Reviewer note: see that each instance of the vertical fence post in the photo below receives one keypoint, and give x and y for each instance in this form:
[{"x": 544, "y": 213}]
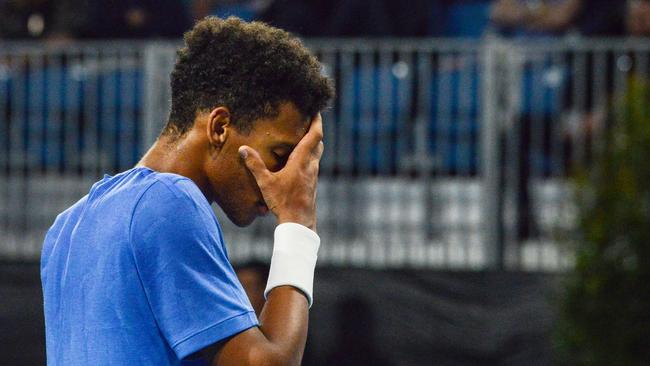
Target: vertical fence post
[
  {"x": 158, "y": 61},
  {"x": 490, "y": 169}
]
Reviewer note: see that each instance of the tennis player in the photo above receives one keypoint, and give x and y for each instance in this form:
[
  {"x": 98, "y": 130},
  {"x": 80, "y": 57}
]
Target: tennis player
[{"x": 137, "y": 273}]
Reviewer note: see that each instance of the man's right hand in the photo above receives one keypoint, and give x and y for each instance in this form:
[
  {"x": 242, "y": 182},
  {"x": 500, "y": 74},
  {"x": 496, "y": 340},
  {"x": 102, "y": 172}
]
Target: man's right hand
[{"x": 290, "y": 193}]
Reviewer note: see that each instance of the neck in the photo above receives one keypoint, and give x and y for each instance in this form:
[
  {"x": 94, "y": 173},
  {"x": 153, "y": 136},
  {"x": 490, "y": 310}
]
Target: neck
[{"x": 178, "y": 156}]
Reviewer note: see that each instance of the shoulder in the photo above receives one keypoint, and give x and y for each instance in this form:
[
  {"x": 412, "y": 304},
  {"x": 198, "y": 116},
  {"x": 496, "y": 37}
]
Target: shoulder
[
  {"x": 180, "y": 187},
  {"x": 167, "y": 193},
  {"x": 171, "y": 204},
  {"x": 171, "y": 224},
  {"x": 69, "y": 215}
]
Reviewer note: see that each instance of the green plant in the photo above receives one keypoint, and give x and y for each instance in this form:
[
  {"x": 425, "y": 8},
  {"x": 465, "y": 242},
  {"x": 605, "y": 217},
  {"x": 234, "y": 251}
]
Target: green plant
[{"x": 605, "y": 312}]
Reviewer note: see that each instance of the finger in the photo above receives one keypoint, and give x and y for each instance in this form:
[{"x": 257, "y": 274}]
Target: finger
[
  {"x": 316, "y": 126},
  {"x": 317, "y": 152},
  {"x": 254, "y": 163},
  {"x": 316, "y": 155},
  {"x": 311, "y": 138}
]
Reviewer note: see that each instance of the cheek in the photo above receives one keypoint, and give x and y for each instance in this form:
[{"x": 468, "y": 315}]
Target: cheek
[
  {"x": 242, "y": 189},
  {"x": 234, "y": 178},
  {"x": 248, "y": 184},
  {"x": 235, "y": 190}
]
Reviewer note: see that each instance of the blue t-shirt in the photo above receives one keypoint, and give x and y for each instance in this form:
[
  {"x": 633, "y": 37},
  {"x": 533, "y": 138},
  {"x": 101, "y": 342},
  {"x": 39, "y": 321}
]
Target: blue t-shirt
[{"x": 136, "y": 273}]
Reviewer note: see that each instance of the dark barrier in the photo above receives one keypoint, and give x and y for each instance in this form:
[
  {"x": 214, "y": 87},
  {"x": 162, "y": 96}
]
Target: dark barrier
[{"x": 366, "y": 317}]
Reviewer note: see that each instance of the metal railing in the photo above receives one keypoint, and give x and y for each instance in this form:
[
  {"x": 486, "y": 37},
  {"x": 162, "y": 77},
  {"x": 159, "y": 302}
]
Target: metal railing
[
  {"x": 440, "y": 153},
  {"x": 67, "y": 115},
  {"x": 557, "y": 100}
]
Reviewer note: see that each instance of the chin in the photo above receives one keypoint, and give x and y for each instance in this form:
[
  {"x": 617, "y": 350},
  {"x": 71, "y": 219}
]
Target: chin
[
  {"x": 238, "y": 214},
  {"x": 243, "y": 223},
  {"x": 241, "y": 220}
]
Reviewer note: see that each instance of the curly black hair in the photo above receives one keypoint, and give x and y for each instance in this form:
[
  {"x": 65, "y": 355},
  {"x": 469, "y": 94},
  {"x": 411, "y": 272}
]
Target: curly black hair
[{"x": 250, "y": 68}]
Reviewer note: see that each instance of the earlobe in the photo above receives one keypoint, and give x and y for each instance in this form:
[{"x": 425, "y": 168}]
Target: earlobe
[{"x": 218, "y": 126}]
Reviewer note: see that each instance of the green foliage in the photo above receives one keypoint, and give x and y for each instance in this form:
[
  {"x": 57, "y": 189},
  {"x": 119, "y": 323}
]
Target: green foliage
[{"x": 605, "y": 312}]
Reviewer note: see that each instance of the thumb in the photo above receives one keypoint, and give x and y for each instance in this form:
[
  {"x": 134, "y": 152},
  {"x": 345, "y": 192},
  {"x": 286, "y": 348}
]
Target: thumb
[{"x": 254, "y": 163}]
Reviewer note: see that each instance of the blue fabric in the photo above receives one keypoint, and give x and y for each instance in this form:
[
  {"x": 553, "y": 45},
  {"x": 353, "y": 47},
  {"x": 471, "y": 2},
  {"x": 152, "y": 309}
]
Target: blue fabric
[{"x": 136, "y": 273}]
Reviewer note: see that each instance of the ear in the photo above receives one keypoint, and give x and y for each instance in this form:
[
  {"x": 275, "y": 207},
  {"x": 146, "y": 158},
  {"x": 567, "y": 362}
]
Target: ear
[{"x": 218, "y": 126}]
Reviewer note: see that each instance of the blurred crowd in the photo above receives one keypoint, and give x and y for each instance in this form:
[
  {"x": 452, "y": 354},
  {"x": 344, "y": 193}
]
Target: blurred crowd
[
  {"x": 84, "y": 19},
  {"x": 582, "y": 17}
]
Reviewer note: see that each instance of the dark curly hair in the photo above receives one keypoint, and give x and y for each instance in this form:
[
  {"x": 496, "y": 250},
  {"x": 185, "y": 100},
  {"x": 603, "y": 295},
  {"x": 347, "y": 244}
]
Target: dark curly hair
[{"x": 250, "y": 68}]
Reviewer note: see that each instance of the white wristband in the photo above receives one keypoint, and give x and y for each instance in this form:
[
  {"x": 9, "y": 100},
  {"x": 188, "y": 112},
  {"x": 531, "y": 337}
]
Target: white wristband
[{"x": 295, "y": 250}]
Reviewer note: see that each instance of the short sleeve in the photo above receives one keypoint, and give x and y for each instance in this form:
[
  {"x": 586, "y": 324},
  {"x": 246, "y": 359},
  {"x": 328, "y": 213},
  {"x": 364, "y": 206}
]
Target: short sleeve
[{"x": 192, "y": 289}]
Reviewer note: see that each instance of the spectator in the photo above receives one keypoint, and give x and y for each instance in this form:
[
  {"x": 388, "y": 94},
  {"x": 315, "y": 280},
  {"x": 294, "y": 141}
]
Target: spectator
[
  {"x": 139, "y": 19},
  {"x": 638, "y": 17},
  {"x": 245, "y": 9},
  {"x": 338, "y": 18},
  {"x": 535, "y": 17},
  {"x": 547, "y": 18},
  {"x": 602, "y": 18},
  {"x": 554, "y": 17},
  {"x": 306, "y": 18},
  {"x": 42, "y": 19},
  {"x": 414, "y": 18},
  {"x": 355, "y": 18}
]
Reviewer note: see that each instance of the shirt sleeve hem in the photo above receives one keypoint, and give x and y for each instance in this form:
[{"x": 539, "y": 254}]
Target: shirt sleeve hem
[{"x": 214, "y": 334}]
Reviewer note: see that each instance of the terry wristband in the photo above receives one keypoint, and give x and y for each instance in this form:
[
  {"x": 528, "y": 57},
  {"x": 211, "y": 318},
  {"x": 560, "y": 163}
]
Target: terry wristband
[{"x": 295, "y": 250}]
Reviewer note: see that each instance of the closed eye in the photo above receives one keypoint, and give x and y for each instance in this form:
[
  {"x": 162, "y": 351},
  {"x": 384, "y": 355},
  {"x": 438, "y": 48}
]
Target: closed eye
[
  {"x": 281, "y": 152},
  {"x": 280, "y": 158}
]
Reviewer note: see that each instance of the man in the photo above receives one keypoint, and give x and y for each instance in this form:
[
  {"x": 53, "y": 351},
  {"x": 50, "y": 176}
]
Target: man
[
  {"x": 136, "y": 272},
  {"x": 555, "y": 17},
  {"x": 138, "y": 19},
  {"x": 638, "y": 18},
  {"x": 43, "y": 19},
  {"x": 536, "y": 18}
]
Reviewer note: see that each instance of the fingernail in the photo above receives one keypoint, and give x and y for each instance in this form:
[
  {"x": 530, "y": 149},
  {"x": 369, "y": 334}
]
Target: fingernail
[{"x": 243, "y": 153}]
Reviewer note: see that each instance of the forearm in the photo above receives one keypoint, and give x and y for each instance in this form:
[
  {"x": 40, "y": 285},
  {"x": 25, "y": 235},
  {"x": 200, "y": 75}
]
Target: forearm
[
  {"x": 284, "y": 321},
  {"x": 282, "y": 334},
  {"x": 279, "y": 340},
  {"x": 289, "y": 290}
]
